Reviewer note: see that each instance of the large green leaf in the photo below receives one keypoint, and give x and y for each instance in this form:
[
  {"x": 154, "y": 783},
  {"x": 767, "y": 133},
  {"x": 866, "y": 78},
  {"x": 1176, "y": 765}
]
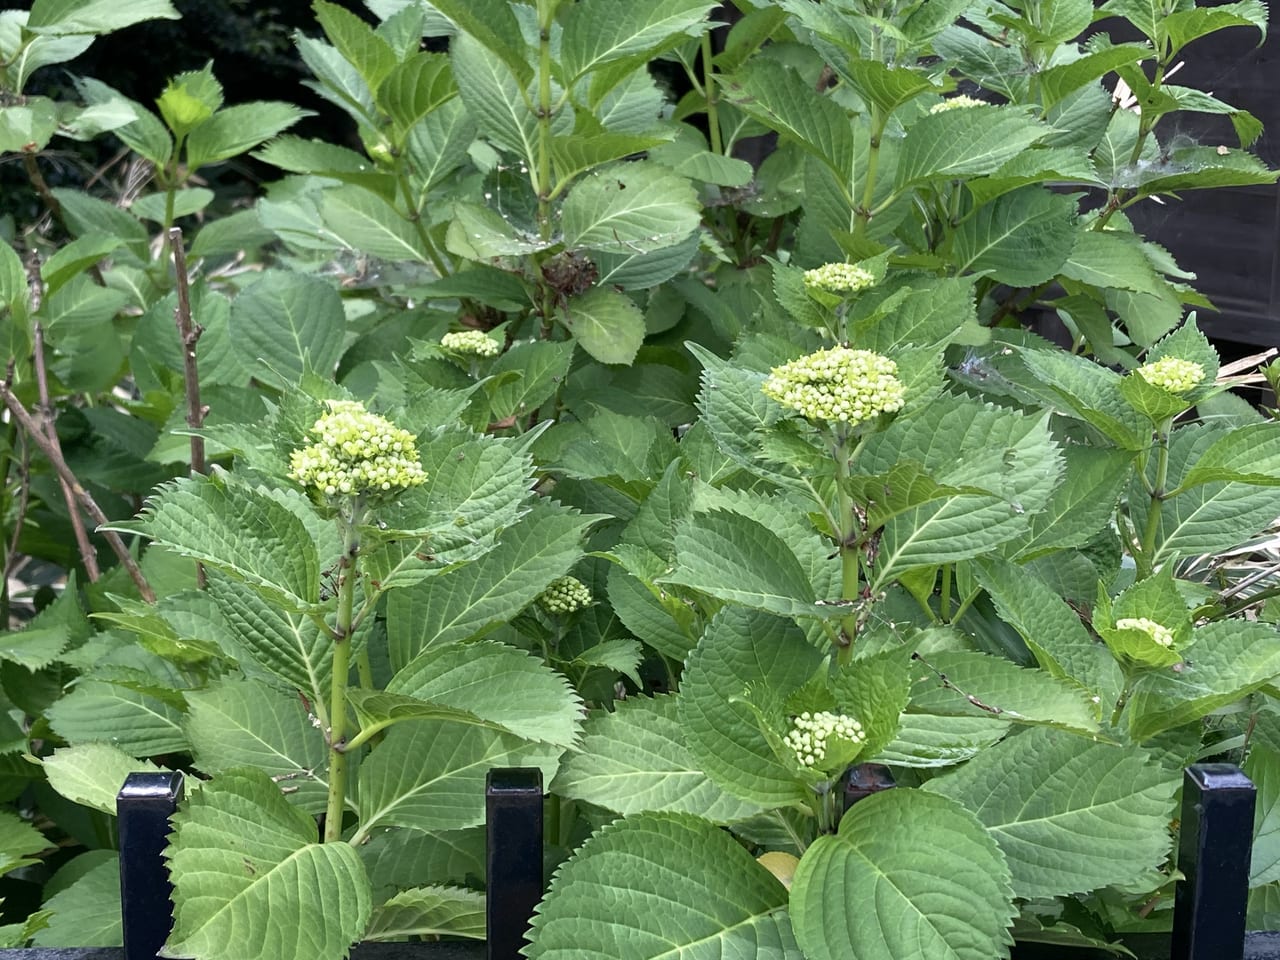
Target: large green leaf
[
  {"x": 86, "y": 911},
  {"x": 18, "y": 841},
  {"x": 137, "y": 723},
  {"x": 965, "y": 142},
  {"x": 909, "y": 876},
  {"x": 740, "y": 650},
  {"x": 264, "y": 638},
  {"x": 1057, "y": 81},
  {"x": 735, "y": 558},
  {"x": 929, "y": 740},
  {"x": 492, "y": 23},
  {"x": 635, "y": 759},
  {"x": 497, "y": 683},
  {"x": 1211, "y": 516},
  {"x": 414, "y": 89},
  {"x": 370, "y": 224},
  {"x": 286, "y": 322},
  {"x": 964, "y": 444},
  {"x": 466, "y": 601},
  {"x": 612, "y": 30},
  {"x": 630, "y": 207},
  {"x": 245, "y": 723},
  {"x": 236, "y": 130},
  {"x": 542, "y": 367},
  {"x": 679, "y": 886},
  {"x": 1112, "y": 260},
  {"x": 443, "y": 787},
  {"x": 1226, "y": 660},
  {"x": 1081, "y": 504},
  {"x": 781, "y": 98},
  {"x": 1263, "y": 768},
  {"x": 607, "y": 324},
  {"x": 95, "y": 16},
  {"x": 1022, "y": 238},
  {"x": 429, "y": 912},
  {"x": 438, "y": 145},
  {"x": 1247, "y": 454},
  {"x": 240, "y": 531},
  {"x": 251, "y": 882},
  {"x": 1069, "y": 814},
  {"x": 966, "y": 684},
  {"x": 364, "y": 49},
  {"x": 1053, "y": 631},
  {"x": 93, "y": 773},
  {"x": 495, "y": 99}
]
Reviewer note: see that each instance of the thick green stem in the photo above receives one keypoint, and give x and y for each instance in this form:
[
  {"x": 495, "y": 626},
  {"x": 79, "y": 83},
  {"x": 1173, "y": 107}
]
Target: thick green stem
[
  {"x": 850, "y": 544},
  {"x": 944, "y": 603},
  {"x": 829, "y": 807},
  {"x": 1158, "y": 496},
  {"x": 709, "y": 88},
  {"x": 347, "y": 572},
  {"x": 545, "y": 109},
  {"x": 415, "y": 217},
  {"x": 863, "y": 213}
]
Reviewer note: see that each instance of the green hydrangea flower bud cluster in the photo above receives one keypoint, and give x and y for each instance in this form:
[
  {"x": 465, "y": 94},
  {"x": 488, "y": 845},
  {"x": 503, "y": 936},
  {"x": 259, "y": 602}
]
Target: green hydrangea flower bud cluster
[
  {"x": 565, "y": 595},
  {"x": 809, "y": 733},
  {"x": 838, "y": 278},
  {"x": 839, "y": 384},
  {"x": 960, "y": 102},
  {"x": 356, "y": 452},
  {"x": 1172, "y": 373},
  {"x": 475, "y": 343},
  {"x": 1157, "y": 632}
]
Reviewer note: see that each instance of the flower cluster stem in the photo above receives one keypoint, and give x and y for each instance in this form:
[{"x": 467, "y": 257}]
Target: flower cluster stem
[
  {"x": 347, "y": 572},
  {"x": 709, "y": 88},
  {"x": 1158, "y": 496}
]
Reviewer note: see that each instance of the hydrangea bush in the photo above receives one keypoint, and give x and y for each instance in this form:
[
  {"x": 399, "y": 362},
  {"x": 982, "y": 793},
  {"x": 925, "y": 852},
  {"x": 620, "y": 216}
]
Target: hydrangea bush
[{"x": 532, "y": 426}]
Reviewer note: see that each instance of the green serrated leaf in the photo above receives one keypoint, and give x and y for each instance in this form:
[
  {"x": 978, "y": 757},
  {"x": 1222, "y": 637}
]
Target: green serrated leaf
[
  {"x": 466, "y": 602},
  {"x": 94, "y": 16},
  {"x": 137, "y": 723},
  {"x": 367, "y": 222},
  {"x": 1263, "y": 768},
  {"x": 497, "y": 683},
  {"x": 743, "y": 649},
  {"x": 948, "y": 683},
  {"x": 286, "y": 322},
  {"x": 1023, "y": 238},
  {"x": 1052, "y": 630},
  {"x": 238, "y": 530},
  {"x": 958, "y": 908},
  {"x": 968, "y": 142},
  {"x": 635, "y": 759},
  {"x": 1069, "y": 815},
  {"x": 93, "y": 773},
  {"x": 87, "y": 912},
  {"x": 607, "y": 324},
  {"x": 266, "y": 892},
  {"x": 245, "y": 723},
  {"x": 429, "y": 912},
  {"x": 443, "y": 789},
  {"x": 716, "y": 901},
  {"x": 633, "y": 207},
  {"x": 1226, "y": 660},
  {"x": 238, "y": 129}
]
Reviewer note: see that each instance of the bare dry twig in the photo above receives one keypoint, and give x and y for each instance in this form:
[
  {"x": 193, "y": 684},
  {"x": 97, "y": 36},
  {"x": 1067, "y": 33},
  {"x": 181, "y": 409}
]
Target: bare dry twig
[
  {"x": 189, "y": 335},
  {"x": 35, "y": 431},
  {"x": 88, "y": 555}
]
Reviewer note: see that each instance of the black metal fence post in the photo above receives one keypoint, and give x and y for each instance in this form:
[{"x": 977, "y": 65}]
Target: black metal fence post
[
  {"x": 514, "y": 880},
  {"x": 1213, "y": 855},
  {"x": 144, "y": 805}
]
